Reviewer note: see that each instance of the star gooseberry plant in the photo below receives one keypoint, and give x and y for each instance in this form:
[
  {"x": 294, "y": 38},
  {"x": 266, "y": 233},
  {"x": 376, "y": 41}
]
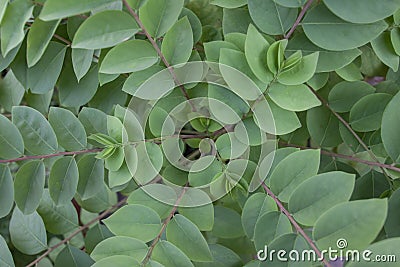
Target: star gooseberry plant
[{"x": 199, "y": 132}]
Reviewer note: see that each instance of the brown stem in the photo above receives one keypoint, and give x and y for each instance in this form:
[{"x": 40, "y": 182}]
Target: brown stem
[
  {"x": 294, "y": 223},
  {"x": 163, "y": 227},
  {"x": 72, "y": 153},
  {"x": 158, "y": 50},
  {"x": 299, "y": 18},
  {"x": 80, "y": 229}
]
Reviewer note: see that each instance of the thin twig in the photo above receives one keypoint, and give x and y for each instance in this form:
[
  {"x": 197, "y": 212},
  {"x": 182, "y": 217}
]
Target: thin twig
[
  {"x": 295, "y": 224},
  {"x": 299, "y": 18},
  {"x": 158, "y": 50},
  {"x": 80, "y": 229}
]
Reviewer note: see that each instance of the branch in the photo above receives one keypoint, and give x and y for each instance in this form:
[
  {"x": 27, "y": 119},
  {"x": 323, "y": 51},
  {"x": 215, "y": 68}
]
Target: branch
[
  {"x": 294, "y": 223},
  {"x": 72, "y": 153},
  {"x": 154, "y": 44},
  {"x": 80, "y": 229},
  {"x": 299, "y": 18}
]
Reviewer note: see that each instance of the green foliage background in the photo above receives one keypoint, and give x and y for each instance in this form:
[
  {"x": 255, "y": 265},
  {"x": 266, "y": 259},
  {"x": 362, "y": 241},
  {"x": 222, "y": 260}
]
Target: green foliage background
[{"x": 74, "y": 190}]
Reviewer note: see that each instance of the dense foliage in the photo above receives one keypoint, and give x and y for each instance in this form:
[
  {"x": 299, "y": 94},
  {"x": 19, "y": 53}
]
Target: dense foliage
[{"x": 197, "y": 132}]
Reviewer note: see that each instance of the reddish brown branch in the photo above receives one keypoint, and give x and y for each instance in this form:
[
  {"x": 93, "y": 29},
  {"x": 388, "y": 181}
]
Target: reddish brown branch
[{"x": 299, "y": 18}]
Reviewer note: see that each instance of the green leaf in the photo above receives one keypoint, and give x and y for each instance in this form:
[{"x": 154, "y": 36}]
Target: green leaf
[
  {"x": 256, "y": 48},
  {"x": 291, "y": 3},
  {"x": 135, "y": 221},
  {"x": 395, "y": 39},
  {"x": 320, "y": 25},
  {"x": 57, "y": 219},
  {"x": 150, "y": 160},
  {"x": 105, "y": 29},
  {"x": 72, "y": 93},
  {"x": 227, "y": 223},
  {"x": 327, "y": 60},
  {"x": 177, "y": 44},
  {"x": 43, "y": 76},
  {"x": 159, "y": 197},
  {"x": 318, "y": 194},
  {"x": 130, "y": 56},
  {"x": 197, "y": 206},
  {"x": 73, "y": 257},
  {"x": 386, "y": 247},
  {"x": 278, "y": 225},
  {"x": 392, "y": 220},
  {"x": 228, "y": 3},
  {"x": 63, "y": 180},
  {"x": 204, "y": 170},
  {"x": 12, "y": 26},
  {"x": 39, "y": 102},
  {"x": 91, "y": 176},
  {"x": 119, "y": 260},
  {"x": 383, "y": 48},
  {"x": 292, "y": 171},
  {"x": 95, "y": 235},
  {"x": 94, "y": 120},
  {"x": 357, "y": 11},
  {"x": 256, "y": 206},
  {"x": 11, "y": 91},
  {"x": 275, "y": 56},
  {"x": 119, "y": 177},
  {"x": 390, "y": 123},
  {"x": 323, "y": 127},
  {"x": 11, "y": 142},
  {"x": 27, "y": 232},
  {"x": 54, "y": 9},
  {"x": 345, "y": 94},
  {"x": 339, "y": 223},
  {"x": 120, "y": 245},
  {"x": 234, "y": 21},
  {"x": 192, "y": 243},
  {"x": 293, "y": 97},
  {"x": 38, "y": 39},
  {"x": 366, "y": 114},
  {"x": 29, "y": 185},
  {"x": 6, "y": 258},
  {"x": 3, "y": 7},
  {"x": 301, "y": 72},
  {"x": 270, "y": 17},
  {"x": 69, "y": 130},
  {"x": 350, "y": 73},
  {"x": 158, "y": 16},
  {"x": 81, "y": 61},
  {"x": 169, "y": 255},
  {"x": 6, "y": 190}
]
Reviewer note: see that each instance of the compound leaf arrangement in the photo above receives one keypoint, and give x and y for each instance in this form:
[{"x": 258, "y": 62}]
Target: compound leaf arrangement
[{"x": 198, "y": 133}]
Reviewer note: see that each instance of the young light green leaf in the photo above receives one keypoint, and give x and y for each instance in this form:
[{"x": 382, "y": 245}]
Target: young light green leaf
[
  {"x": 58, "y": 219},
  {"x": 6, "y": 258},
  {"x": 383, "y": 48},
  {"x": 320, "y": 25},
  {"x": 130, "y": 56},
  {"x": 357, "y": 12},
  {"x": 169, "y": 255},
  {"x": 115, "y": 160},
  {"x": 178, "y": 42},
  {"x": 256, "y": 48},
  {"x": 81, "y": 61},
  {"x": 338, "y": 223},
  {"x": 120, "y": 245},
  {"x": 318, "y": 194},
  {"x": 105, "y": 29},
  {"x": 69, "y": 130},
  {"x": 300, "y": 72},
  {"x": 29, "y": 185},
  {"x": 275, "y": 56},
  {"x": 158, "y": 16},
  {"x": 63, "y": 180},
  {"x": 38, "y": 39},
  {"x": 54, "y": 9},
  {"x": 12, "y": 26},
  {"x": 255, "y": 206},
  {"x": 270, "y": 17},
  {"x": 91, "y": 176},
  {"x": 135, "y": 221},
  {"x": 292, "y": 171},
  {"x": 6, "y": 190},
  {"x": 390, "y": 124},
  {"x": 293, "y": 97},
  {"x": 11, "y": 142},
  {"x": 27, "y": 232},
  {"x": 192, "y": 243}
]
